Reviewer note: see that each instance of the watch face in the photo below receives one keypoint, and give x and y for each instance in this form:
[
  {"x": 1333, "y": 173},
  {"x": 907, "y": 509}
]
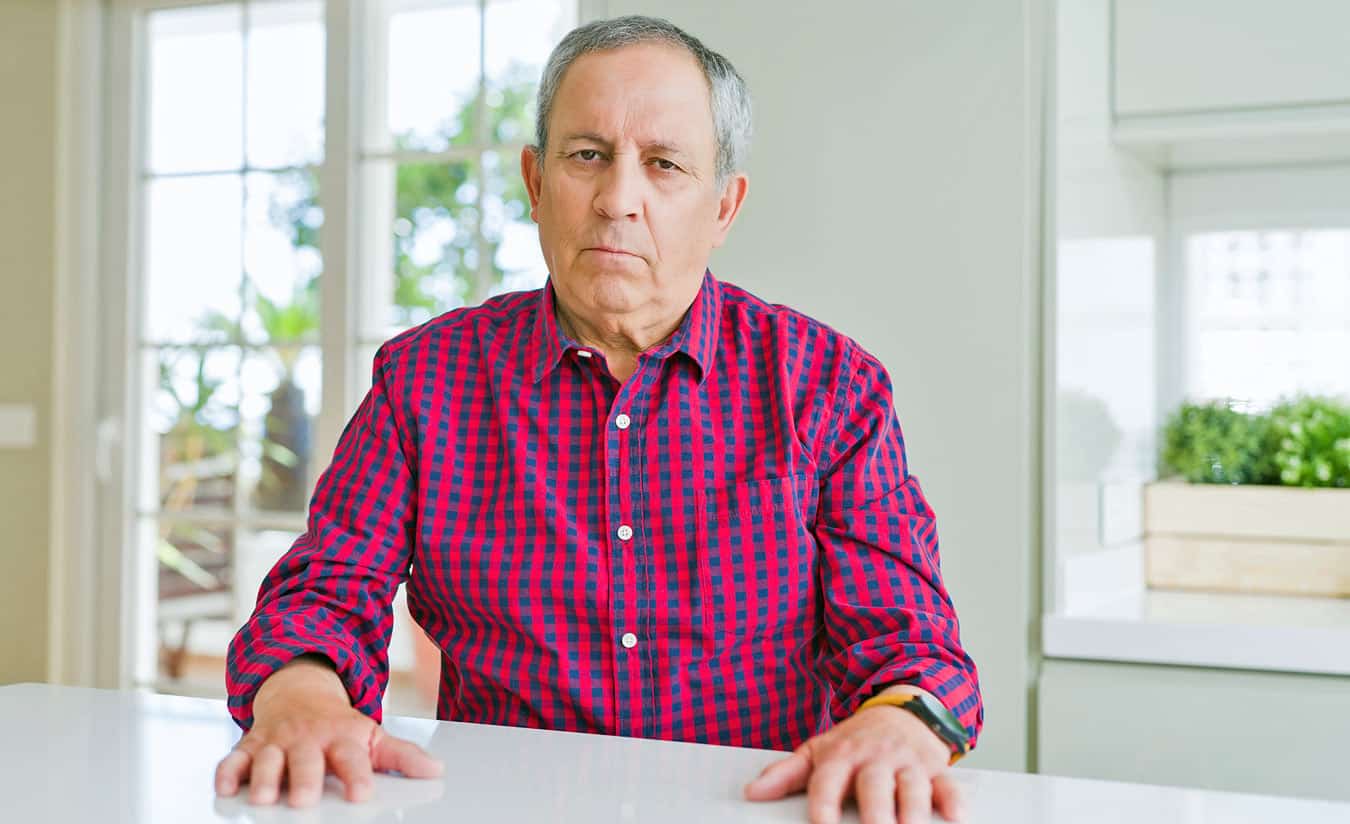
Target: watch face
[{"x": 944, "y": 722}]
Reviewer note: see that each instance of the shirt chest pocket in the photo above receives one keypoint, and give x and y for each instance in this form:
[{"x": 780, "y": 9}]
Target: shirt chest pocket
[{"x": 756, "y": 558}]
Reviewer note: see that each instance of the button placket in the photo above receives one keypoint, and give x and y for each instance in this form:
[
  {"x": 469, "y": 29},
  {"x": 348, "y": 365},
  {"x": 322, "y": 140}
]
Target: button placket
[{"x": 632, "y": 563}]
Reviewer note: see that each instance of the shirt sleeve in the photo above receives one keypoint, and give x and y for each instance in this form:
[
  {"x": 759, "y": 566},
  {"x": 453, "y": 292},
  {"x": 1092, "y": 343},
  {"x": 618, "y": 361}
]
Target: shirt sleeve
[
  {"x": 888, "y": 617},
  {"x": 332, "y": 592}
]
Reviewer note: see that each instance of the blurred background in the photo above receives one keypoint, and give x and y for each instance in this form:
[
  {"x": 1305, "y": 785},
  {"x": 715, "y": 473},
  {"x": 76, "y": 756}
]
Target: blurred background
[{"x": 1103, "y": 249}]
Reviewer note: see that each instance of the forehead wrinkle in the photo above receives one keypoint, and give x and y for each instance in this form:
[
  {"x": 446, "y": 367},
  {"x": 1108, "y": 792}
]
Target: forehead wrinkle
[
  {"x": 651, "y": 116},
  {"x": 662, "y": 146}
]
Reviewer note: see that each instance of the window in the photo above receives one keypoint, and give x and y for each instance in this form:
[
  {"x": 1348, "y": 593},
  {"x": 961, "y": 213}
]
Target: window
[
  {"x": 452, "y": 104},
  {"x": 228, "y": 332},
  {"x": 239, "y": 384},
  {"x": 1269, "y": 314}
]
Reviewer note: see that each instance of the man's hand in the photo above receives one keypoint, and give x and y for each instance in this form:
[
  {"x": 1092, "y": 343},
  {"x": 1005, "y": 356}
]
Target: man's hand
[
  {"x": 884, "y": 756},
  {"x": 304, "y": 726}
]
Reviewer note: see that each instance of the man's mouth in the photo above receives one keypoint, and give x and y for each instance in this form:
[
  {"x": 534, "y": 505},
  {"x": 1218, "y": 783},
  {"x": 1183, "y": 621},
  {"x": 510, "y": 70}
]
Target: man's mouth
[{"x": 611, "y": 250}]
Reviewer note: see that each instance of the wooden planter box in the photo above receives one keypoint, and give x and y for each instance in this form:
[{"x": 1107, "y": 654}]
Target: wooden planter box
[{"x": 1256, "y": 539}]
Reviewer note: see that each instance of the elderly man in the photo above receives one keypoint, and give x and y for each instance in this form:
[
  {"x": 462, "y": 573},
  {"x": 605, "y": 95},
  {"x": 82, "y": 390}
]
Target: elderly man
[{"x": 639, "y": 501}]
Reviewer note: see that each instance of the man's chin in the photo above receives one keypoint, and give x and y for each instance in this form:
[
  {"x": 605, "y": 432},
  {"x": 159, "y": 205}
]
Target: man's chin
[
  {"x": 611, "y": 293},
  {"x": 610, "y": 288}
]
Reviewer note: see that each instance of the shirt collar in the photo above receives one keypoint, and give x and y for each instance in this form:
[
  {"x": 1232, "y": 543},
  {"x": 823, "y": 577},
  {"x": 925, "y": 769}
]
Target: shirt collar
[{"x": 696, "y": 335}]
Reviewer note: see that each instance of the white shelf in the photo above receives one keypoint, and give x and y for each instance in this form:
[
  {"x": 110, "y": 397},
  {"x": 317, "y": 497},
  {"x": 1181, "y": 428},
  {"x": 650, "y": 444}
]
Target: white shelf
[
  {"x": 1309, "y": 635},
  {"x": 1238, "y": 140}
]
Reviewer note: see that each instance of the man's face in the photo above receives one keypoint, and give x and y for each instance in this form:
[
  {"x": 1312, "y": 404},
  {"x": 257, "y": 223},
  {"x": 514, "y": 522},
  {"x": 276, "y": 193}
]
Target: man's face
[{"x": 626, "y": 199}]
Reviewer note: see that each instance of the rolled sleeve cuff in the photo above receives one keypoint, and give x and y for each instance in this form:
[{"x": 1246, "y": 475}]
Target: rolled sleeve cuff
[
  {"x": 954, "y": 688},
  {"x": 254, "y": 663}
]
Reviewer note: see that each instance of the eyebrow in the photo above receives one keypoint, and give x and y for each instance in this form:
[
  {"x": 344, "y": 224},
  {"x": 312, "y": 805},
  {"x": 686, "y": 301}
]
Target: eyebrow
[{"x": 657, "y": 146}]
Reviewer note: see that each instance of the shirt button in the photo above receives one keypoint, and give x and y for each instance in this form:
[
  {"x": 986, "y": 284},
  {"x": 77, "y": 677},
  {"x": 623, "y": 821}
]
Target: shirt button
[
  {"x": 583, "y": 353},
  {"x": 622, "y": 421},
  {"x": 629, "y": 640},
  {"x": 625, "y": 532}
]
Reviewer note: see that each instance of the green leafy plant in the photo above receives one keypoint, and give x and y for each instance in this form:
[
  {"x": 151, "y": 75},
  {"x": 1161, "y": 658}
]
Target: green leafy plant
[
  {"x": 440, "y": 258},
  {"x": 1312, "y": 442},
  {"x": 198, "y": 461},
  {"x": 1304, "y": 441},
  {"x": 1217, "y": 443}
]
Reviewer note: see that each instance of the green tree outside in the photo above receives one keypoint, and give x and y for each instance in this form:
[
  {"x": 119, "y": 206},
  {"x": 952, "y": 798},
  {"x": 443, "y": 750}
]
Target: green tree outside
[{"x": 435, "y": 206}]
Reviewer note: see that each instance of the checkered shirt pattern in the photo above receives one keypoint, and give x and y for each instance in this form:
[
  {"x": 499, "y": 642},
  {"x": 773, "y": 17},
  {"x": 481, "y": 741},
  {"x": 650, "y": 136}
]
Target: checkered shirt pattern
[{"x": 741, "y": 508}]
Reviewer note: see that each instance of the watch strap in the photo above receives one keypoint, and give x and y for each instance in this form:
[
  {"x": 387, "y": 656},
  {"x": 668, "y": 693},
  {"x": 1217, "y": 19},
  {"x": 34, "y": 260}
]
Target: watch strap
[{"x": 942, "y": 721}]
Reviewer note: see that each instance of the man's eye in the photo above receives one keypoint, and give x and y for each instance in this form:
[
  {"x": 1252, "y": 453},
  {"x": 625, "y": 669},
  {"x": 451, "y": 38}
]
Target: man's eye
[
  {"x": 587, "y": 155},
  {"x": 665, "y": 165}
]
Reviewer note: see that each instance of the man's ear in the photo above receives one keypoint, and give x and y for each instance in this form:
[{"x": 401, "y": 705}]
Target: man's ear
[
  {"x": 532, "y": 172},
  {"x": 729, "y": 205}
]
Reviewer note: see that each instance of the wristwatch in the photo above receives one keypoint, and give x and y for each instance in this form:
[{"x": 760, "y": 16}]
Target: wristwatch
[{"x": 932, "y": 713}]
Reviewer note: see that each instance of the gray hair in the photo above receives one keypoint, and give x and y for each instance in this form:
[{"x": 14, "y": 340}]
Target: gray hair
[{"x": 727, "y": 91}]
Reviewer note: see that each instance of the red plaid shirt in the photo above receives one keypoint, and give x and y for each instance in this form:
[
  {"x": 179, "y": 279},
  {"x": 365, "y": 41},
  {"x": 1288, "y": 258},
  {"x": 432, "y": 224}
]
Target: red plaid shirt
[{"x": 728, "y": 548}]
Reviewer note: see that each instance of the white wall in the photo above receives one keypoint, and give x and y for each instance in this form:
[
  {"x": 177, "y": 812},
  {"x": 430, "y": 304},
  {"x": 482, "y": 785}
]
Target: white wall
[
  {"x": 1110, "y": 217},
  {"x": 1208, "y": 55},
  {"x": 1310, "y": 195},
  {"x": 894, "y": 194}
]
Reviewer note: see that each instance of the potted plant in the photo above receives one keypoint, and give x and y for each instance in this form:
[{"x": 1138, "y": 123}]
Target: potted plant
[
  {"x": 1256, "y": 503},
  {"x": 283, "y": 483}
]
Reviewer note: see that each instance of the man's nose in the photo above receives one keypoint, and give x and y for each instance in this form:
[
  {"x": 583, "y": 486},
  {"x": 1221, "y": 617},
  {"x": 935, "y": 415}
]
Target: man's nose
[{"x": 620, "y": 194}]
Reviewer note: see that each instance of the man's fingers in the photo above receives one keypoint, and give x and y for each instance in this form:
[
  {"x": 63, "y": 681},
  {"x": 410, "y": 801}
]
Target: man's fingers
[
  {"x": 947, "y": 798},
  {"x": 265, "y": 778},
  {"x": 304, "y": 774},
  {"x": 231, "y": 770},
  {"x": 874, "y": 789},
  {"x": 914, "y": 792},
  {"x": 390, "y": 753},
  {"x": 351, "y": 764},
  {"x": 825, "y": 791},
  {"x": 781, "y": 778}
]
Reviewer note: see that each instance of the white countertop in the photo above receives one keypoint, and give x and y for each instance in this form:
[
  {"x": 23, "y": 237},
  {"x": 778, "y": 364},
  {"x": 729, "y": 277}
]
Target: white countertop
[
  {"x": 1103, "y": 612},
  {"x": 1256, "y": 632},
  {"x": 80, "y": 755}
]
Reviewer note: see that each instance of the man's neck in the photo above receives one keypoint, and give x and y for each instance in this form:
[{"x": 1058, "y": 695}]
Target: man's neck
[
  {"x": 619, "y": 340},
  {"x": 617, "y": 337}
]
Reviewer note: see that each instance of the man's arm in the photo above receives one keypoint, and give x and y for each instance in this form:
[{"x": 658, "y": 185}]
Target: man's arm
[
  {"x": 331, "y": 594},
  {"x": 889, "y": 620}
]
